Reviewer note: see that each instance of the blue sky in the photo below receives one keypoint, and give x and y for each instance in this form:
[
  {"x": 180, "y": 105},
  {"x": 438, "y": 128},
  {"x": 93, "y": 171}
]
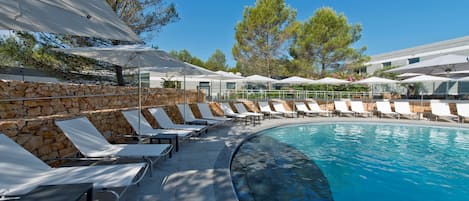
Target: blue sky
[{"x": 207, "y": 25}]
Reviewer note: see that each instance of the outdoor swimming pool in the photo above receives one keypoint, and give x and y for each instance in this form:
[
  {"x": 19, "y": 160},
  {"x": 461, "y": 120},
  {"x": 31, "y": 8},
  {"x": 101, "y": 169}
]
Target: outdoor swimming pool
[{"x": 354, "y": 161}]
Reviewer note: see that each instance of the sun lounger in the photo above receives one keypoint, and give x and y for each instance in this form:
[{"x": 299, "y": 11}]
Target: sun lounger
[
  {"x": 314, "y": 107},
  {"x": 89, "y": 141},
  {"x": 206, "y": 113},
  {"x": 22, "y": 172},
  {"x": 278, "y": 106},
  {"x": 384, "y": 108},
  {"x": 227, "y": 111},
  {"x": 303, "y": 109},
  {"x": 341, "y": 108},
  {"x": 441, "y": 110},
  {"x": 242, "y": 110},
  {"x": 265, "y": 109},
  {"x": 358, "y": 109},
  {"x": 165, "y": 122},
  {"x": 190, "y": 118},
  {"x": 403, "y": 109},
  {"x": 463, "y": 111},
  {"x": 147, "y": 130}
]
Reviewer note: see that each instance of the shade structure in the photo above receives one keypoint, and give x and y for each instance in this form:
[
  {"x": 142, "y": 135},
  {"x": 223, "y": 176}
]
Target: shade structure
[
  {"x": 259, "y": 79},
  {"x": 463, "y": 79},
  {"x": 296, "y": 80},
  {"x": 446, "y": 63},
  {"x": 404, "y": 75},
  {"x": 425, "y": 78},
  {"x": 375, "y": 80},
  {"x": 90, "y": 18},
  {"x": 229, "y": 75},
  {"x": 330, "y": 80},
  {"x": 137, "y": 56}
]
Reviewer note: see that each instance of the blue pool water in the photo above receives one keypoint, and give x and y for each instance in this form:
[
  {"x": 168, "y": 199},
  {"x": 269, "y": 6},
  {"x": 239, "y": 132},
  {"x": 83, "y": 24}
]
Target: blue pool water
[{"x": 354, "y": 161}]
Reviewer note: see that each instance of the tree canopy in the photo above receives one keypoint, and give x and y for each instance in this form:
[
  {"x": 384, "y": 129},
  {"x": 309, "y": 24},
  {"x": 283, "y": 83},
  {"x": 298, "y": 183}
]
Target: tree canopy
[
  {"x": 262, "y": 36},
  {"x": 326, "y": 40},
  {"x": 217, "y": 61}
]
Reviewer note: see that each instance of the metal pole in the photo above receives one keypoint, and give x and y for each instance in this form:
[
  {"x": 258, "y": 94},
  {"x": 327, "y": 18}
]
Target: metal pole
[{"x": 184, "y": 92}]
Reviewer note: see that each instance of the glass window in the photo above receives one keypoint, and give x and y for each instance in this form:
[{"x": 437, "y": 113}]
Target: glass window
[
  {"x": 414, "y": 60},
  {"x": 231, "y": 85},
  {"x": 204, "y": 84},
  {"x": 386, "y": 64}
]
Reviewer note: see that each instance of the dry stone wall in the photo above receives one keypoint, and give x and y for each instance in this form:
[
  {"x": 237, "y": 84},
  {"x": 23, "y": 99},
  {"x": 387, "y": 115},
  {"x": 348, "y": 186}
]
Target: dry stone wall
[{"x": 28, "y": 111}]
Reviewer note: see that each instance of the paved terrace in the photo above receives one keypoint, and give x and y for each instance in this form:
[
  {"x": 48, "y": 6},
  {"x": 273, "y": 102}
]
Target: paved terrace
[{"x": 200, "y": 170}]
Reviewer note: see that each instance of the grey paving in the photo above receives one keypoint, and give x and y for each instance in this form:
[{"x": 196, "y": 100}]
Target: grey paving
[{"x": 200, "y": 170}]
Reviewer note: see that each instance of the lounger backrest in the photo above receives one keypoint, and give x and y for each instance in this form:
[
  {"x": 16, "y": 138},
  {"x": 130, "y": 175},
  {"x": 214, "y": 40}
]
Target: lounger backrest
[
  {"x": 279, "y": 107},
  {"x": 383, "y": 106},
  {"x": 227, "y": 109},
  {"x": 83, "y": 135},
  {"x": 19, "y": 169},
  {"x": 240, "y": 107},
  {"x": 340, "y": 105},
  {"x": 463, "y": 109},
  {"x": 357, "y": 106},
  {"x": 132, "y": 117},
  {"x": 189, "y": 115},
  {"x": 205, "y": 111},
  {"x": 314, "y": 106},
  {"x": 161, "y": 117},
  {"x": 15, "y": 158},
  {"x": 300, "y": 106},
  {"x": 264, "y": 107},
  {"x": 440, "y": 108},
  {"x": 402, "y": 107}
]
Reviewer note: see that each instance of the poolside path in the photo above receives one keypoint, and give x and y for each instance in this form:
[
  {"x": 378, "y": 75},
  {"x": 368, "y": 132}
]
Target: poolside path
[{"x": 200, "y": 170}]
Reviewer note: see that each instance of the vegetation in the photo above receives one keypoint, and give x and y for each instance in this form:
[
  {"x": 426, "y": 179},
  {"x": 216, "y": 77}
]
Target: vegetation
[{"x": 262, "y": 36}]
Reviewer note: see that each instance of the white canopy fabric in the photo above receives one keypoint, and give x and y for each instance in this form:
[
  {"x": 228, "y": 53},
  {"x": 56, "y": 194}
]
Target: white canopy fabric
[
  {"x": 446, "y": 63},
  {"x": 258, "y": 78},
  {"x": 296, "y": 80},
  {"x": 426, "y": 78},
  {"x": 91, "y": 18},
  {"x": 229, "y": 75},
  {"x": 330, "y": 80},
  {"x": 409, "y": 75},
  {"x": 375, "y": 80},
  {"x": 463, "y": 79}
]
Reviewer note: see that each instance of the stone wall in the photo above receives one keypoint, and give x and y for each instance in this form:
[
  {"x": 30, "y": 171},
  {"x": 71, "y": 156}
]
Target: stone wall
[{"x": 28, "y": 111}]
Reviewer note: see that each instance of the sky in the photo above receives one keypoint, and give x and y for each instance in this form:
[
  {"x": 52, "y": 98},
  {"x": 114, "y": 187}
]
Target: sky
[{"x": 207, "y": 25}]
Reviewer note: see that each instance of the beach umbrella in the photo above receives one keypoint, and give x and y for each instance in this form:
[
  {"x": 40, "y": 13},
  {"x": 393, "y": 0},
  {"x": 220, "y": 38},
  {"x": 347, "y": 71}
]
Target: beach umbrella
[
  {"x": 90, "y": 18},
  {"x": 259, "y": 79},
  {"x": 140, "y": 57},
  {"x": 375, "y": 80},
  {"x": 407, "y": 75},
  {"x": 295, "y": 80},
  {"x": 329, "y": 80},
  {"x": 427, "y": 78},
  {"x": 441, "y": 64}
]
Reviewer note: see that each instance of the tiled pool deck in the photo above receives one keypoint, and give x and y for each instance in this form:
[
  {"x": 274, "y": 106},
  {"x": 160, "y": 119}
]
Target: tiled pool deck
[{"x": 200, "y": 170}]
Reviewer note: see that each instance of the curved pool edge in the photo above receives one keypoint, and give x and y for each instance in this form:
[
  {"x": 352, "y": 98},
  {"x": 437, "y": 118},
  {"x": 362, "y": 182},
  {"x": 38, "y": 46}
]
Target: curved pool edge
[{"x": 275, "y": 123}]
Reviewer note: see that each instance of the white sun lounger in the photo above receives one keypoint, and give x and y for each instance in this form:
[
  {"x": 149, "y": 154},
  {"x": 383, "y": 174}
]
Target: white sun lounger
[
  {"x": 441, "y": 110},
  {"x": 384, "y": 108},
  {"x": 358, "y": 109},
  {"x": 463, "y": 111},
  {"x": 278, "y": 106},
  {"x": 403, "y": 109},
  {"x": 227, "y": 111},
  {"x": 303, "y": 109},
  {"x": 190, "y": 118},
  {"x": 165, "y": 122},
  {"x": 341, "y": 108},
  {"x": 89, "y": 141},
  {"x": 314, "y": 107},
  {"x": 147, "y": 130},
  {"x": 265, "y": 109},
  {"x": 21, "y": 172},
  {"x": 206, "y": 113},
  {"x": 242, "y": 110}
]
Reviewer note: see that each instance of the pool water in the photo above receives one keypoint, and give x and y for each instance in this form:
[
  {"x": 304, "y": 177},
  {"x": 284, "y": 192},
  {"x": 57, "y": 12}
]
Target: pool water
[{"x": 354, "y": 161}]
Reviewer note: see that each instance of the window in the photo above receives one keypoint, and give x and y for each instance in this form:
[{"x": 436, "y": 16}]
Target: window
[
  {"x": 386, "y": 64},
  {"x": 414, "y": 60},
  {"x": 231, "y": 85},
  {"x": 204, "y": 84}
]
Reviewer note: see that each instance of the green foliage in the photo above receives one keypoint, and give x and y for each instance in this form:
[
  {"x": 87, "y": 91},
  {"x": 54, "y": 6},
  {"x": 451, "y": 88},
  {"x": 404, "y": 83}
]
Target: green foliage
[
  {"x": 382, "y": 73},
  {"x": 217, "y": 61},
  {"x": 185, "y": 56},
  {"x": 325, "y": 40},
  {"x": 262, "y": 35}
]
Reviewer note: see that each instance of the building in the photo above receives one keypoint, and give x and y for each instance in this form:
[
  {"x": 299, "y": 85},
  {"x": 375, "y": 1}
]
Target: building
[{"x": 416, "y": 54}]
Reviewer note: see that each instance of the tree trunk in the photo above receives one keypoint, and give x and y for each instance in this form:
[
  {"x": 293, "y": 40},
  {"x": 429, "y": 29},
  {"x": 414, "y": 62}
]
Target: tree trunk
[
  {"x": 119, "y": 76},
  {"x": 323, "y": 69}
]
